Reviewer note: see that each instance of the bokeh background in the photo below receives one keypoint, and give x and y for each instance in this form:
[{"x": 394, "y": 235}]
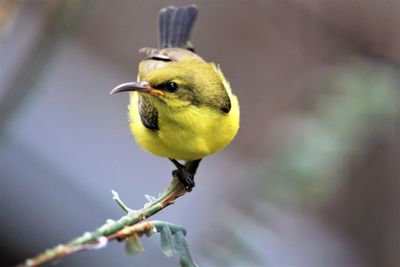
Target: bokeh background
[{"x": 312, "y": 178}]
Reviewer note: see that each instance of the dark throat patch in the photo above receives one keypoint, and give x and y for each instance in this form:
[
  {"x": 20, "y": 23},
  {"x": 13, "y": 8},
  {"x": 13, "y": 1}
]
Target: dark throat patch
[{"x": 148, "y": 114}]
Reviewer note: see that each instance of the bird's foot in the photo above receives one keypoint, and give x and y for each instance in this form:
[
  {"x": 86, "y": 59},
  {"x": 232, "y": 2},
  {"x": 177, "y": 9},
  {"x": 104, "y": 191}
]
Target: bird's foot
[
  {"x": 185, "y": 173},
  {"x": 185, "y": 177}
]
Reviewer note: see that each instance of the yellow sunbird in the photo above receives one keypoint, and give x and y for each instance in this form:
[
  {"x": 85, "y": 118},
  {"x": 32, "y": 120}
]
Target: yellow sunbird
[{"x": 181, "y": 106}]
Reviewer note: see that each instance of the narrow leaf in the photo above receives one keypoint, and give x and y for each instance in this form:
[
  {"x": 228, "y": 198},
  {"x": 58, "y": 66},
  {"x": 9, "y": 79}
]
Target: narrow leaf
[
  {"x": 183, "y": 251},
  {"x": 133, "y": 245},
  {"x": 167, "y": 241},
  {"x": 121, "y": 203}
]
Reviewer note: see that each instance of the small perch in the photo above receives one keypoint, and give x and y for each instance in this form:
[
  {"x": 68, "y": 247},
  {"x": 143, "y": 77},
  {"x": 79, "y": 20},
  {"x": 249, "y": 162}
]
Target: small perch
[{"x": 130, "y": 225}]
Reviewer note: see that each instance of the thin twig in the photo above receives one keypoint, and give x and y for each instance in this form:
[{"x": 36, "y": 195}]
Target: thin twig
[{"x": 120, "y": 229}]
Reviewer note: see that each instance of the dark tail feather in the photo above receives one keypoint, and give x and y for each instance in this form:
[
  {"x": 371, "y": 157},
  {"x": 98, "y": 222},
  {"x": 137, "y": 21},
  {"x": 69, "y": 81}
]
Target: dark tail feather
[{"x": 175, "y": 26}]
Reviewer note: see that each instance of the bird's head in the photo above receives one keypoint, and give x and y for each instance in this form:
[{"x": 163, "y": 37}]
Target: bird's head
[{"x": 182, "y": 84}]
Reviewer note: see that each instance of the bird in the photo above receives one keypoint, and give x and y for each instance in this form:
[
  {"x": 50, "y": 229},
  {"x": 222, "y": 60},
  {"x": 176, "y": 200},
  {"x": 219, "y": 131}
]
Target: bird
[{"x": 181, "y": 106}]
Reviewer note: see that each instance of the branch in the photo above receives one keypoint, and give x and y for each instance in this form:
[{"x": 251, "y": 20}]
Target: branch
[{"x": 127, "y": 226}]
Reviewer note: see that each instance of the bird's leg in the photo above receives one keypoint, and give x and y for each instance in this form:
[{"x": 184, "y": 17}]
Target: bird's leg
[
  {"x": 185, "y": 173},
  {"x": 192, "y": 166}
]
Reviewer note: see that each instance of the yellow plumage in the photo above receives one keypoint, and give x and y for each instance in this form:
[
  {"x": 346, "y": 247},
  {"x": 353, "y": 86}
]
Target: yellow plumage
[
  {"x": 190, "y": 133},
  {"x": 181, "y": 107}
]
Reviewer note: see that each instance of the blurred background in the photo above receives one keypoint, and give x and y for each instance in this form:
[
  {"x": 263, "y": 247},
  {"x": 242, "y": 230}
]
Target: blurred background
[{"x": 312, "y": 178}]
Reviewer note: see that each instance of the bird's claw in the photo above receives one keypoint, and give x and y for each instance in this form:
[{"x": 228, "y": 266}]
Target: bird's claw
[{"x": 185, "y": 177}]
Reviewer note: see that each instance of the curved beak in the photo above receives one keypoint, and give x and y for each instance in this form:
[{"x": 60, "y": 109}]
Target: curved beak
[{"x": 141, "y": 87}]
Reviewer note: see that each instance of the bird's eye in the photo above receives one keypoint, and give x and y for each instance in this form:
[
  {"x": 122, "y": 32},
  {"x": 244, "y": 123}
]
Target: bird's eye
[{"x": 171, "y": 87}]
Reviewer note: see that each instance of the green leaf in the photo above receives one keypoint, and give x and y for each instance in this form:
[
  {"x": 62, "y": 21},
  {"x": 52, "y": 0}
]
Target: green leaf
[
  {"x": 121, "y": 203},
  {"x": 167, "y": 241},
  {"x": 183, "y": 251},
  {"x": 133, "y": 245}
]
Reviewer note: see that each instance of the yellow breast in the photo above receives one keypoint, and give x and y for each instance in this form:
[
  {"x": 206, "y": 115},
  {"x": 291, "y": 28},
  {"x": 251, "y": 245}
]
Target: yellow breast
[{"x": 188, "y": 134}]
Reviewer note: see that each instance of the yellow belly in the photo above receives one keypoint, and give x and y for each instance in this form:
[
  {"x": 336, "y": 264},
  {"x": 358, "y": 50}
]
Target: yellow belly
[{"x": 192, "y": 133}]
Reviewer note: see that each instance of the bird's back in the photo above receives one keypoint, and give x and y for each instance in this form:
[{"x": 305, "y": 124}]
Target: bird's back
[{"x": 175, "y": 26}]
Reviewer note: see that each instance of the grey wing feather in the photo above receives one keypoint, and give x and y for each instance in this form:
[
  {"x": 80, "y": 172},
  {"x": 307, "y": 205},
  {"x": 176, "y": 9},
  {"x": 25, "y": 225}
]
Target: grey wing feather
[
  {"x": 175, "y": 26},
  {"x": 168, "y": 54},
  {"x": 164, "y": 19}
]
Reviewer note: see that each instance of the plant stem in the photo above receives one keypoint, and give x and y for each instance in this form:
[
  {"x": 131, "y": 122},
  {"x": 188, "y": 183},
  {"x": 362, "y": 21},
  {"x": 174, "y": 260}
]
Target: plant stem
[{"x": 110, "y": 230}]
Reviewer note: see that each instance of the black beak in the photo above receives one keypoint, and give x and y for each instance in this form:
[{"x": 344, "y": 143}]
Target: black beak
[{"x": 141, "y": 87}]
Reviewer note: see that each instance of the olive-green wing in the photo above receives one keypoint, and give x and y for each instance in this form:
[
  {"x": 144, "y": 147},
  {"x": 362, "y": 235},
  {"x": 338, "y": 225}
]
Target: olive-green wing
[{"x": 160, "y": 58}]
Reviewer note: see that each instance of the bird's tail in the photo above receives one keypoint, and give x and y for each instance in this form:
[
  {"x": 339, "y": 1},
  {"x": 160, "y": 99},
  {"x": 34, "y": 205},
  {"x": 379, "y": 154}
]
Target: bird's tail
[{"x": 175, "y": 26}]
